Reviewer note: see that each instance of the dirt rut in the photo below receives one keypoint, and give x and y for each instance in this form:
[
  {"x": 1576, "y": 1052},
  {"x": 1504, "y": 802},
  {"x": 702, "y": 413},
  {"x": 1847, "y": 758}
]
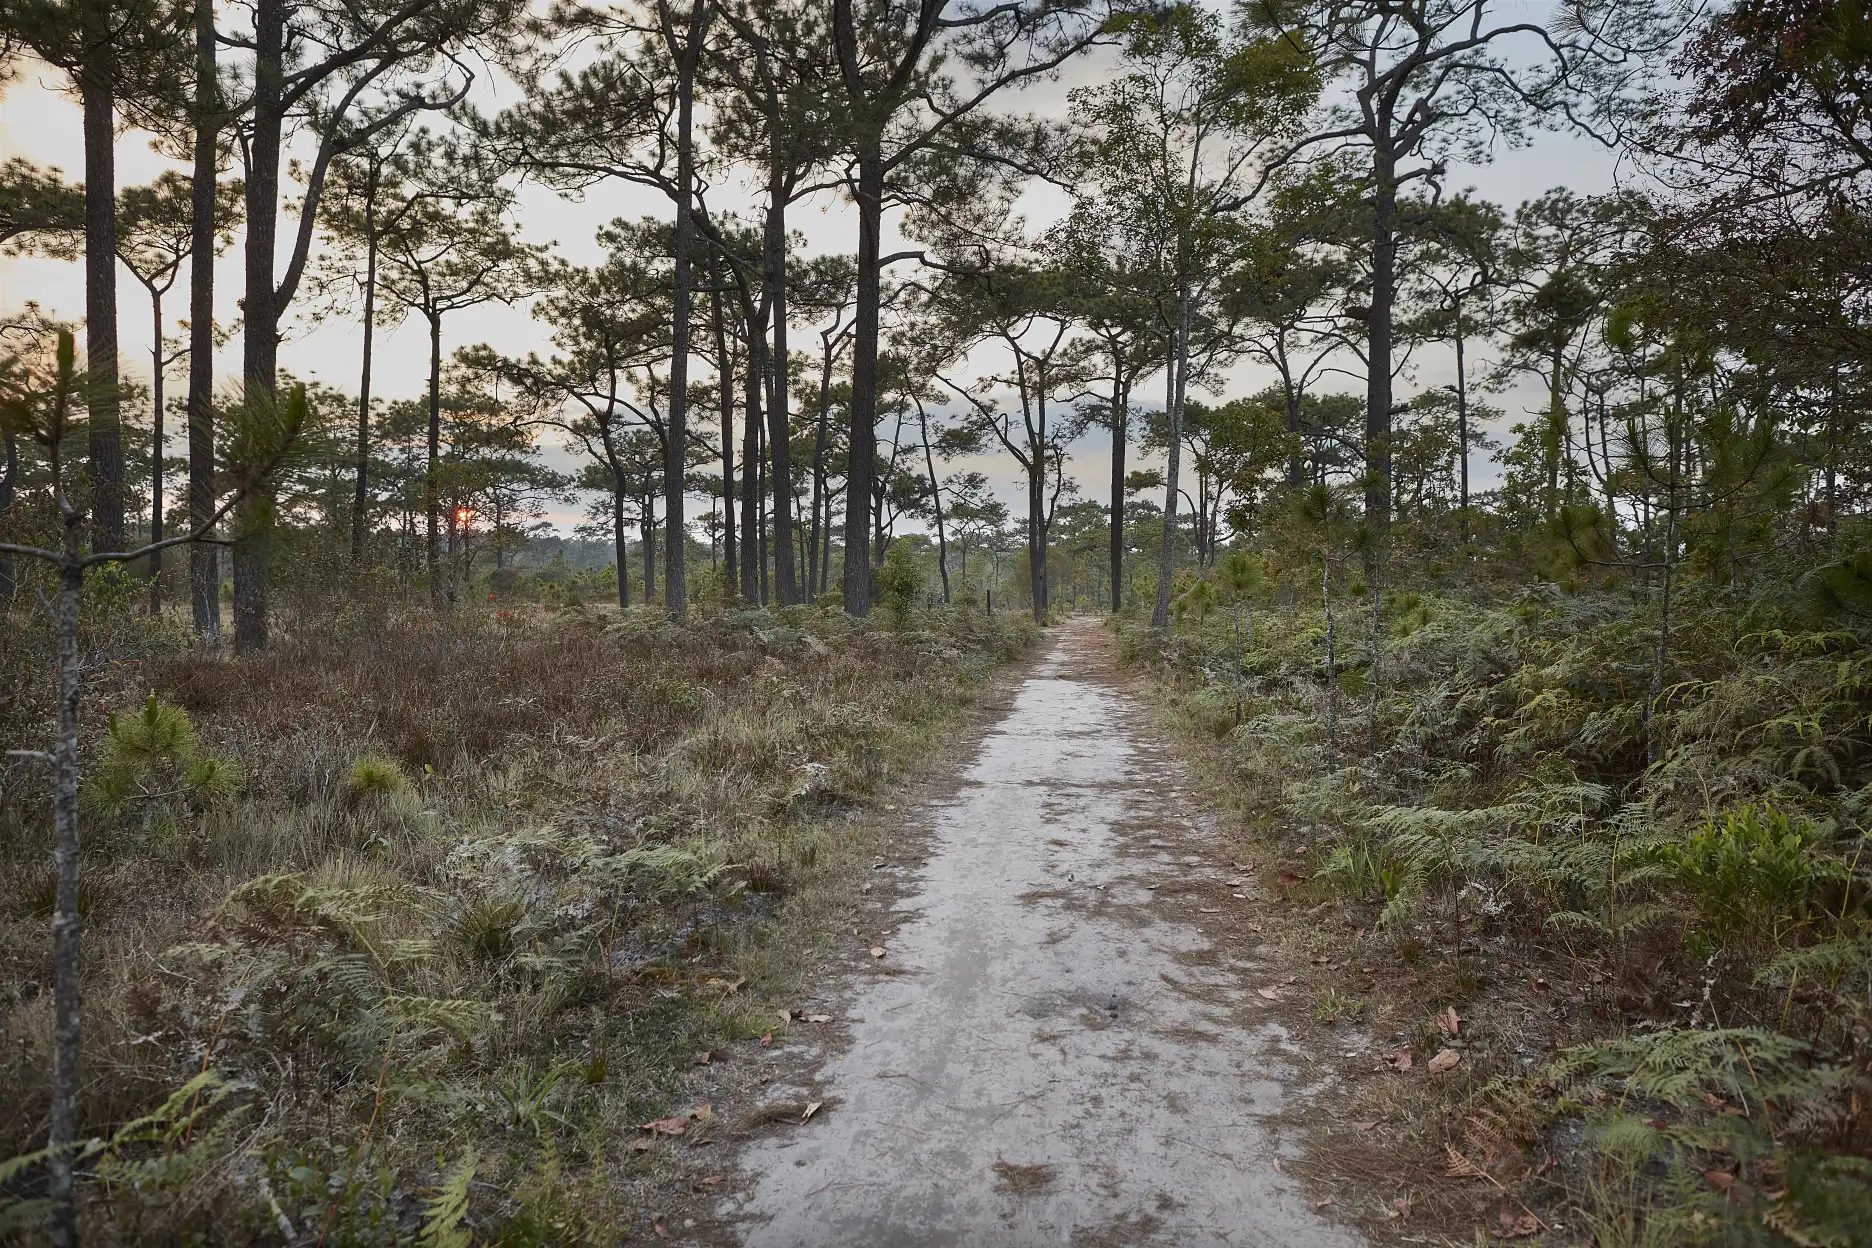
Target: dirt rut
[{"x": 1061, "y": 1056}]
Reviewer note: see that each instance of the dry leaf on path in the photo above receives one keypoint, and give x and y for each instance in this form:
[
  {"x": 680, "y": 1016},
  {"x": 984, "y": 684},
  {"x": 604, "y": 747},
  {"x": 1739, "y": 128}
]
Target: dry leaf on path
[
  {"x": 1444, "y": 1060},
  {"x": 1400, "y": 1060},
  {"x": 877, "y": 951},
  {"x": 701, "y": 1057},
  {"x": 643, "y": 1143},
  {"x": 812, "y": 1107},
  {"x": 1448, "y": 1023},
  {"x": 818, "y": 1018},
  {"x": 661, "y": 1229},
  {"x": 673, "y": 1125},
  {"x": 1365, "y": 1126},
  {"x": 766, "y": 1040},
  {"x": 1272, "y": 994}
]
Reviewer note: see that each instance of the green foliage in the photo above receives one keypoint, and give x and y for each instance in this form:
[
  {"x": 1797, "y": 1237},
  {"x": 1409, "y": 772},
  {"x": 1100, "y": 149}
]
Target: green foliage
[
  {"x": 448, "y": 1208},
  {"x": 153, "y": 758},
  {"x": 375, "y": 778},
  {"x": 1747, "y": 866},
  {"x": 900, "y": 580}
]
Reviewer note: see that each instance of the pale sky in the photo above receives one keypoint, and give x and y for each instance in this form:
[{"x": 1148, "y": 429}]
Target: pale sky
[{"x": 40, "y": 121}]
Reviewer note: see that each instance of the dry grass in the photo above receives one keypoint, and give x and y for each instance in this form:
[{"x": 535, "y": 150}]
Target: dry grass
[{"x": 519, "y": 868}]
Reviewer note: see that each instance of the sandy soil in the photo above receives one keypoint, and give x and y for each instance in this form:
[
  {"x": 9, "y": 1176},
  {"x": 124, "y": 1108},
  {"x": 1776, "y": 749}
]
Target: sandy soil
[{"x": 1036, "y": 1042}]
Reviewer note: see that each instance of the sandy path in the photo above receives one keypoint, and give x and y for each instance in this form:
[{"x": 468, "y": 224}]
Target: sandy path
[{"x": 1065, "y": 1058}]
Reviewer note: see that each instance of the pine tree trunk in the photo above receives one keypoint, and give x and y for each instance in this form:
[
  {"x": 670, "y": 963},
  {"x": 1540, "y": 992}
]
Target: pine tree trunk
[
  {"x": 1173, "y": 401},
  {"x": 750, "y": 464},
  {"x": 862, "y": 442},
  {"x": 724, "y": 375},
  {"x": 1120, "y": 422},
  {"x": 260, "y": 341},
  {"x": 1378, "y": 326},
  {"x": 360, "y": 502},
  {"x": 204, "y": 559},
  {"x": 100, "y": 210},
  {"x": 675, "y": 448},
  {"x": 779, "y": 452},
  {"x": 156, "y": 456},
  {"x": 942, "y": 539},
  {"x": 1332, "y": 667},
  {"x": 620, "y": 544},
  {"x": 1462, "y": 421},
  {"x": 432, "y": 495},
  {"x": 821, "y": 518},
  {"x": 9, "y": 473}
]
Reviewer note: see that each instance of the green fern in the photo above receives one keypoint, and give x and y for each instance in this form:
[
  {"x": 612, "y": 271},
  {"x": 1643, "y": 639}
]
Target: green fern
[{"x": 447, "y": 1210}]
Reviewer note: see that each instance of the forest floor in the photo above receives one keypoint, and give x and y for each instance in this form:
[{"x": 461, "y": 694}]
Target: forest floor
[{"x": 1052, "y": 1019}]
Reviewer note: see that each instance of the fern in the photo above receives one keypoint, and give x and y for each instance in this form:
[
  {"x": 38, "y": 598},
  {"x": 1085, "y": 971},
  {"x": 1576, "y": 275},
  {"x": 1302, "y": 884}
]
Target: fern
[{"x": 447, "y": 1210}]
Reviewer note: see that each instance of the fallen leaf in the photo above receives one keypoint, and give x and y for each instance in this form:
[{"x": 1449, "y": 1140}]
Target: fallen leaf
[
  {"x": 1272, "y": 994},
  {"x": 1288, "y": 877},
  {"x": 713, "y": 1180},
  {"x": 1400, "y": 1060},
  {"x": 1402, "y": 1205},
  {"x": 1365, "y": 1126},
  {"x": 818, "y": 1018},
  {"x": 1721, "y": 1180},
  {"x": 786, "y": 1016},
  {"x": 662, "y": 1230},
  {"x": 1447, "y": 1059},
  {"x": 1521, "y": 1227},
  {"x": 643, "y": 1143},
  {"x": 1448, "y": 1023},
  {"x": 766, "y": 1040},
  {"x": 674, "y": 1125},
  {"x": 877, "y": 951},
  {"x": 703, "y": 1112},
  {"x": 812, "y": 1107},
  {"x": 701, "y": 1057}
]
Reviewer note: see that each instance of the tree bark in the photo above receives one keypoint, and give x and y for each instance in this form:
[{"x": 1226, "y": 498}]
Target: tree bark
[
  {"x": 204, "y": 559},
  {"x": 862, "y": 443},
  {"x": 260, "y": 339},
  {"x": 1378, "y": 327},
  {"x": 104, "y": 423},
  {"x": 750, "y": 464},
  {"x": 1462, "y": 421},
  {"x": 942, "y": 538},
  {"x": 432, "y": 496},
  {"x": 1173, "y": 398},
  {"x": 360, "y": 502},
  {"x": 675, "y": 447},
  {"x": 9, "y": 473},
  {"x": 1121, "y": 436},
  {"x": 724, "y": 375},
  {"x": 620, "y": 543},
  {"x": 156, "y": 455},
  {"x": 779, "y": 432},
  {"x": 821, "y": 505}
]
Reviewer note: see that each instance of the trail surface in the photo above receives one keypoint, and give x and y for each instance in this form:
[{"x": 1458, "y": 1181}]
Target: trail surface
[{"x": 1051, "y": 1051}]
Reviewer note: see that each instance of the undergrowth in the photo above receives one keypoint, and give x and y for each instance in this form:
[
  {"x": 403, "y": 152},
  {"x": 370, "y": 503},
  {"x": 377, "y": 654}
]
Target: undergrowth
[
  {"x": 395, "y": 933},
  {"x": 1661, "y": 969}
]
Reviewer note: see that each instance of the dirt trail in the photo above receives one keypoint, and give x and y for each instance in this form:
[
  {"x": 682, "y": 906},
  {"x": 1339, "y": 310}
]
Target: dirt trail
[{"x": 1062, "y": 1057}]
